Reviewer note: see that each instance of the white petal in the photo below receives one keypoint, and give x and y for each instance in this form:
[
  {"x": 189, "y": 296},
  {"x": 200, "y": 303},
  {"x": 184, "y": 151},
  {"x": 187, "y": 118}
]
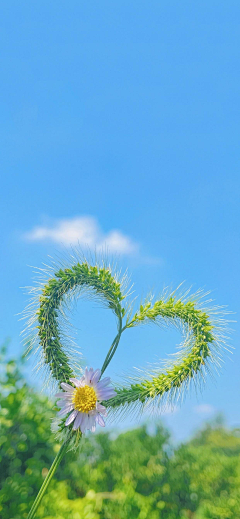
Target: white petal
[
  {"x": 91, "y": 422},
  {"x": 61, "y": 403},
  {"x": 101, "y": 409},
  {"x": 77, "y": 421},
  {"x": 84, "y": 423},
  {"x": 71, "y": 417},
  {"x": 106, "y": 393},
  {"x": 104, "y": 382},
  {"x": 63, "y": 394},
  {"x": 67, "y": 387},
  {"x": 96, "y": 376},
  {"x": 100, "y": 420},
  {"x": 88, "y": 375},
  {"x": 65, "y": 410},
  {"x": 77, "y": 382}
]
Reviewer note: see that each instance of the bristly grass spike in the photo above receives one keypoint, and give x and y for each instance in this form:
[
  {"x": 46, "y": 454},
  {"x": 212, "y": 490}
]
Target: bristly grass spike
[{"x": 204, "y": 331}]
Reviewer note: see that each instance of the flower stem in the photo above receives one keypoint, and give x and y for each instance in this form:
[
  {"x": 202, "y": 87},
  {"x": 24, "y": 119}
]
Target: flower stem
[
  {"x": 49, "y": 476},
  {"x": 114, "y": 346}
]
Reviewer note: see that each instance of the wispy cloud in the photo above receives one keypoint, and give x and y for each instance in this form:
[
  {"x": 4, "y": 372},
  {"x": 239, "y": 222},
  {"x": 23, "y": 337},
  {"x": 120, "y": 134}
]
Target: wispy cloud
[
  {"x": 204, "y": 409},
  {"x": 83, "y": 231}
]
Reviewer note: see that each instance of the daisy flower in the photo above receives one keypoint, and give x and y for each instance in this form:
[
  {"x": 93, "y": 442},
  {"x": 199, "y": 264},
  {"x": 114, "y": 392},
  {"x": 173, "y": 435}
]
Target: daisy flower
[{"x": 84, "y": 399}]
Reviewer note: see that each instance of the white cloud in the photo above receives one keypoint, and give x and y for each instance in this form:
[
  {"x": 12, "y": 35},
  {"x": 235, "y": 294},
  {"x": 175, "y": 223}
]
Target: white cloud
[
  {"x": 204, "y": 409},
  {"x": 83, "y": 231}
]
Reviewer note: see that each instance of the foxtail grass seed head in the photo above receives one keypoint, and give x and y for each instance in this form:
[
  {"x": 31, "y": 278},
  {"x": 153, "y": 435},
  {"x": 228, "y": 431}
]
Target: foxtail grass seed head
[
  {"x": 83, "y": 400},
  {"x": 86, "y": 397}
]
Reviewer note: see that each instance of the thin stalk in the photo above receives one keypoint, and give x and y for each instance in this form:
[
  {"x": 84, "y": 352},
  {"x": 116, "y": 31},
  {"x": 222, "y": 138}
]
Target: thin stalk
[
  {"x": 106, "y": 361},
  {"x": 48, "y": 478},
  {"x": 113, "y": 347},
  {"x": 113, "y": 350}
]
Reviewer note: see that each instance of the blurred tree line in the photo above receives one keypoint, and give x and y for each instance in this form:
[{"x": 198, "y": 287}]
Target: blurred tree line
[{"x": 133, "y": 475}]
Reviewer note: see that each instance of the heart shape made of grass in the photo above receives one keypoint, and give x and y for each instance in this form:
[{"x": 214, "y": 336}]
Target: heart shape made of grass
[{"x": 202, "y": 338}]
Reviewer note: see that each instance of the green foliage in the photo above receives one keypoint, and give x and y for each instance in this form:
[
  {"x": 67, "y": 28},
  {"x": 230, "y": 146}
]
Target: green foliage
[
  {"x": 134, "y": 475},
  {"x": 26, "y": 446}
]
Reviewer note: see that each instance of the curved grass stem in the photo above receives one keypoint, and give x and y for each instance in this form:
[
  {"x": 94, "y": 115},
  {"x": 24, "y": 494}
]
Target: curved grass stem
[
  {"x": 48, "y": 478},
  {"x": 113, "y": 348}
]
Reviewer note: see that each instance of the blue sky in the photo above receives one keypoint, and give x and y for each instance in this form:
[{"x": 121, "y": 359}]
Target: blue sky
[{"x": 120, "y": 126}]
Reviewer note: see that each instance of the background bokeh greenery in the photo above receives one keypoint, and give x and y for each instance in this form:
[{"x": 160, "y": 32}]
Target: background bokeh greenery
[{"x": 135, "y": 474}]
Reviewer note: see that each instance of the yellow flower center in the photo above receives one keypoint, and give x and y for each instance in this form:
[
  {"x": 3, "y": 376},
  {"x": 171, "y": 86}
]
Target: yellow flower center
[{"x": 84, "y": 399}]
